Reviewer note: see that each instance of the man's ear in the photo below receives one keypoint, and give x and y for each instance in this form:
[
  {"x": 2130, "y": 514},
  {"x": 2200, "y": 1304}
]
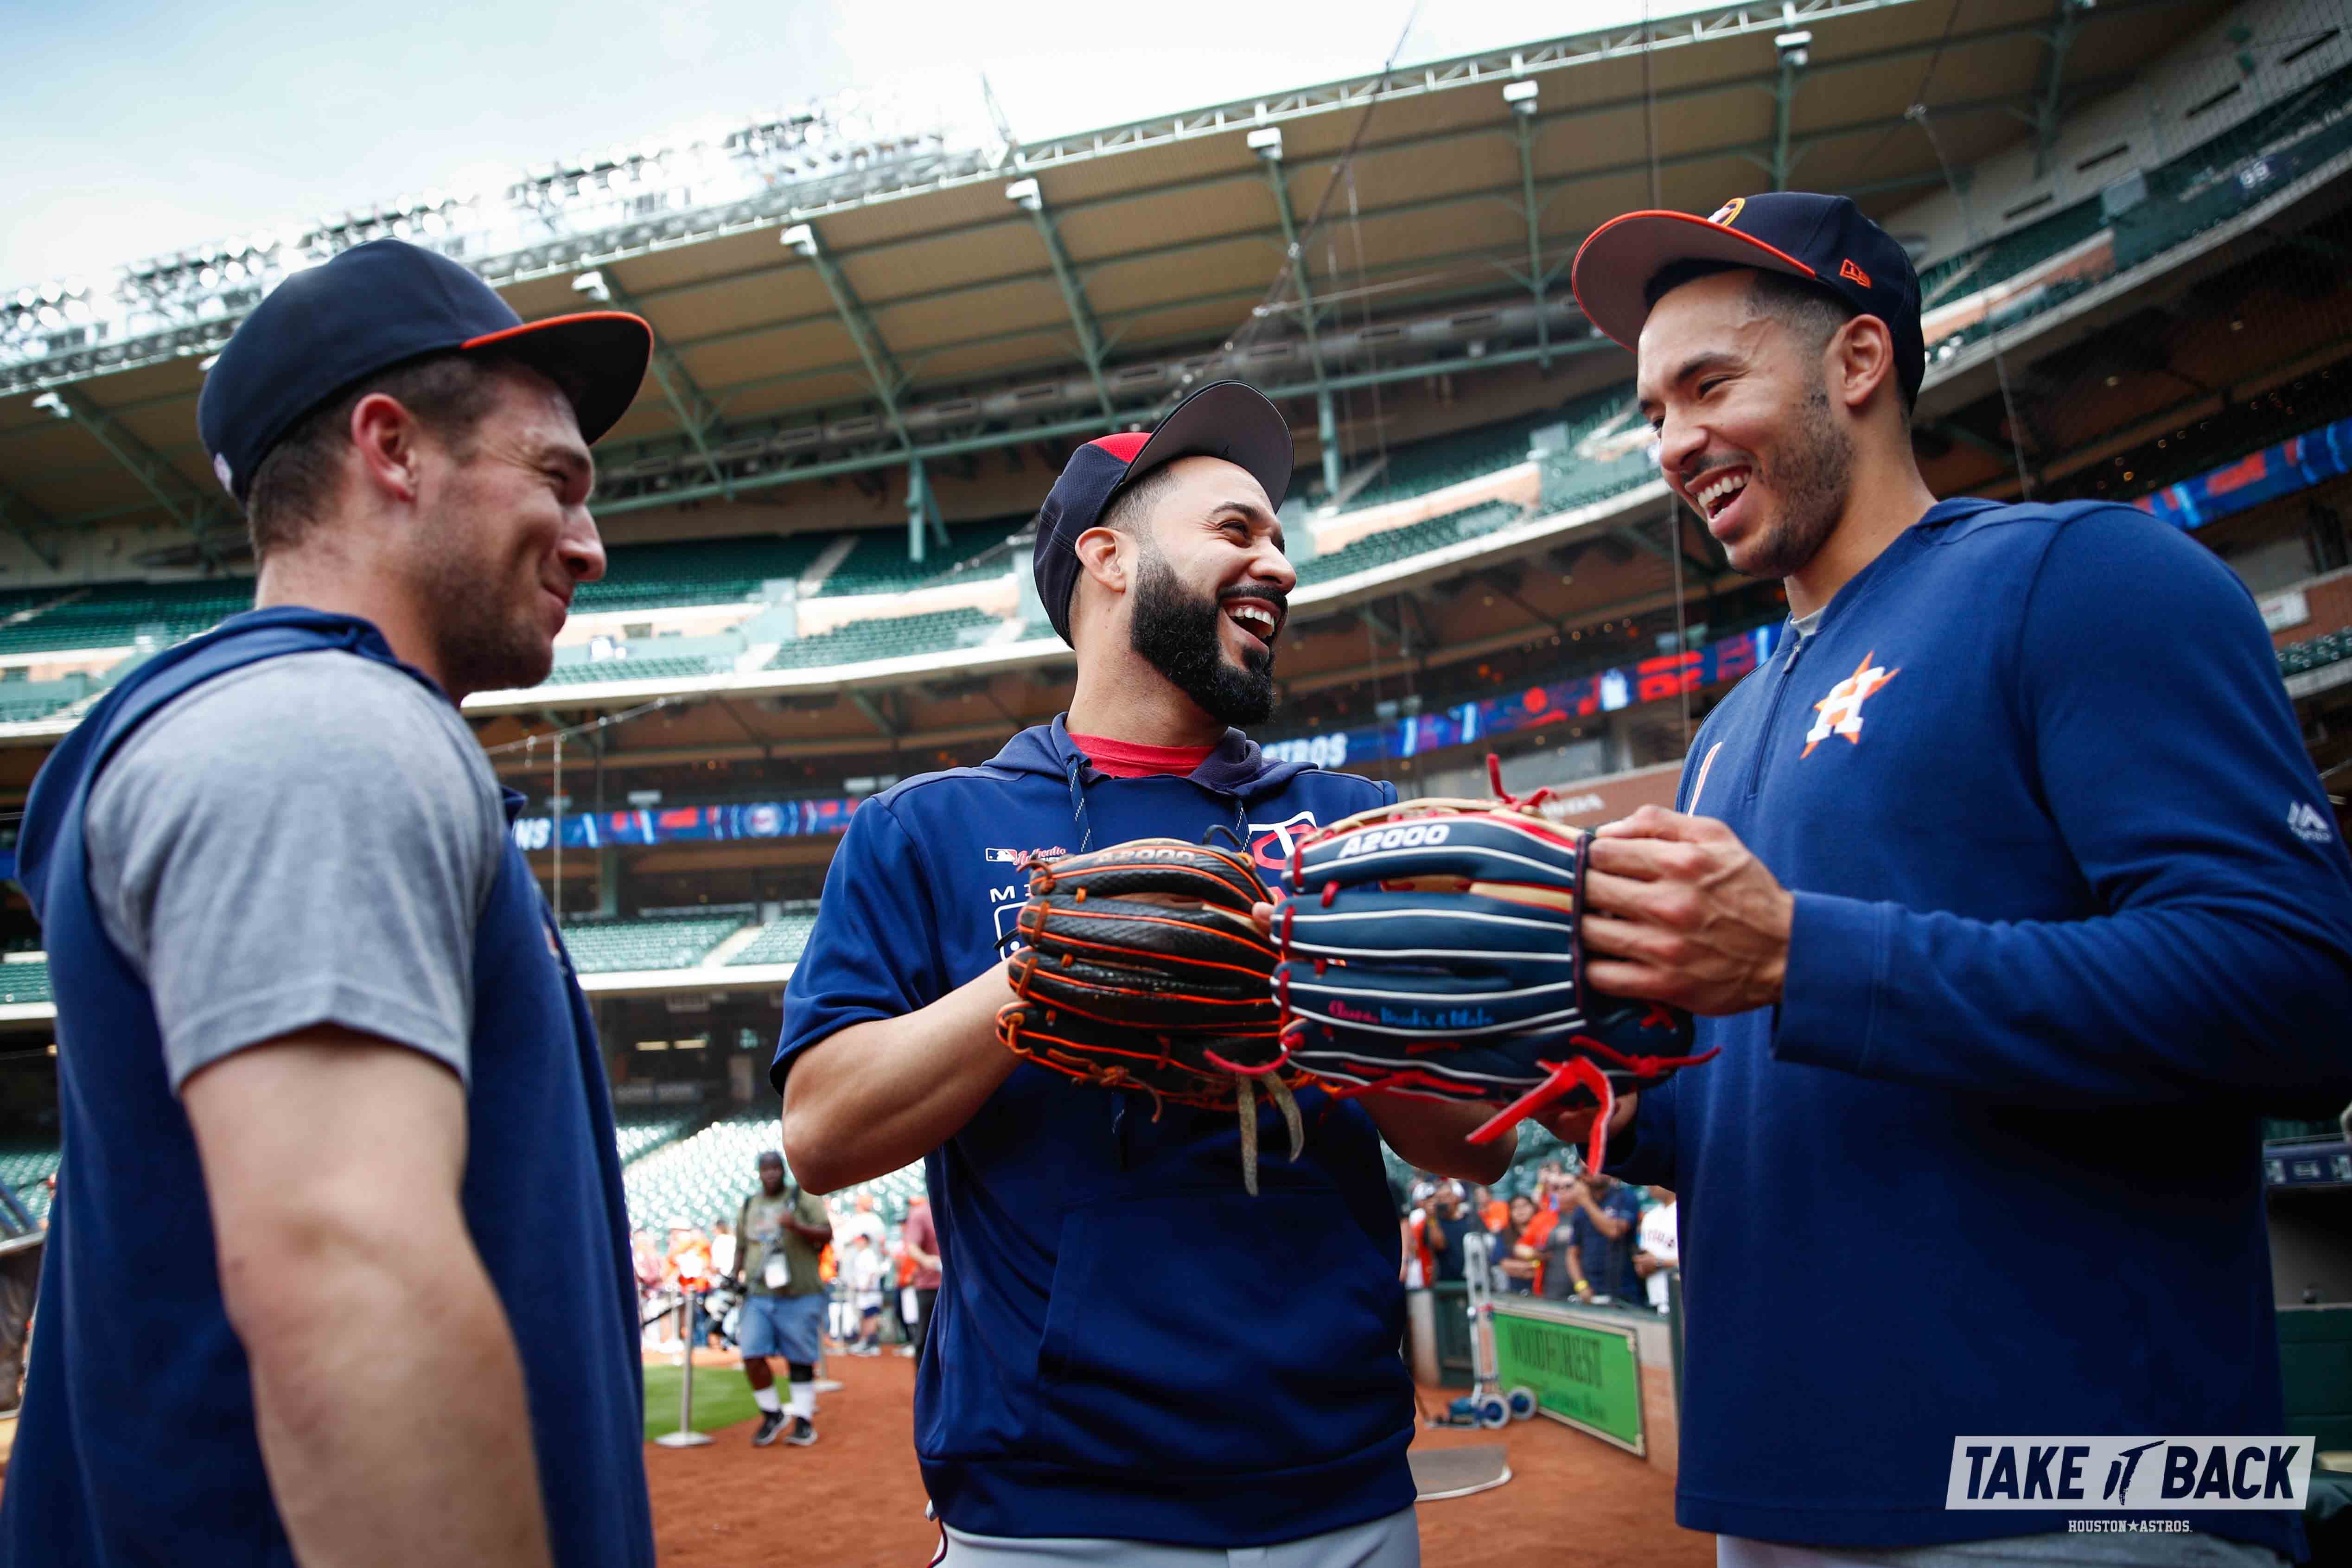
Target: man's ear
[
  {"x": 388, "y": 441},
  {"x": 1102, "y": 556},
  {"x": 1862, "y": 360}
]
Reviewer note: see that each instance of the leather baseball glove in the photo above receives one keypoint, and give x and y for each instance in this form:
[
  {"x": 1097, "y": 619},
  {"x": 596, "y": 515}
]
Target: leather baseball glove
[
  {"x": 1432, "y": 948},
  {"x": 1144, "y": 970}
]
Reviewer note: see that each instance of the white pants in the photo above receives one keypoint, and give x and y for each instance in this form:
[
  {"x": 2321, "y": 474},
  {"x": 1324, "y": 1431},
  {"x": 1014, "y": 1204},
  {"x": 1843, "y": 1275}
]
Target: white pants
[{"x": 1390, "y": 1542}]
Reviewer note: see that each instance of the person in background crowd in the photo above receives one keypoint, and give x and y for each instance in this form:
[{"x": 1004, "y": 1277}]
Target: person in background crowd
[
  {"x": 1493, "y": 1212},
  {"x": 1551, "y": 1185},
  {"x": 780, "y": 1230},
  {"x": 1517, "y": 1258},
  {"x": 921, "y": 1238},
  {"x": 722, "y": 1250},
  {"x": 863, "y": 1221},
  {"x": 1529, "y": 1244},
  {"x": 865, "y": 1273},
  {"x": 690, "y": 1274},
  {"x": 1660, "y": 1247},
  {"x": 1451, "y": 1219},
  {"x": 1601, "y": 1214}
]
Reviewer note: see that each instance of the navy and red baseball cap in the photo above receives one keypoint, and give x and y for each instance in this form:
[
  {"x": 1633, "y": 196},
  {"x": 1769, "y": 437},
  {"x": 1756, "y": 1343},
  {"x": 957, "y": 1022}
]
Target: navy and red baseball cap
[
  {"x": 1824, "y": 240},
  {"x": 379, "y": 305},
  {"x": 1228, "y": 419}
]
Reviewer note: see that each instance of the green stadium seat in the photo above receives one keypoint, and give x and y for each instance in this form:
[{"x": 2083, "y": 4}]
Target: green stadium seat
[
  {"x": 656, "y": 668},
  {"x": 27, "y": 1165},
  {"x": 604, "y": 947},
  {"x": 877, "y": 563},
  {"x": 783, "y": 941},
  {"x": 698, "y": 572},
  {"x": 894, "y": 638},
  {"x": 25, "y": 981},
  {"x": 1397, "y": 544}
]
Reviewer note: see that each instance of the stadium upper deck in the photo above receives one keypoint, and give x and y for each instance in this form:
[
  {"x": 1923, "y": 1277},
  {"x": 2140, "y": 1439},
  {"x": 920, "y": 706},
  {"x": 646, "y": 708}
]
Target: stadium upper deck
[{"x": 789, "y": 416}]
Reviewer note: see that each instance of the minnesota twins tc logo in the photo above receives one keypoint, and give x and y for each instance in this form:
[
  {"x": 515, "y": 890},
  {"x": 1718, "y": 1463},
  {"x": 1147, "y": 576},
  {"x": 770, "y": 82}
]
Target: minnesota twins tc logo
[{"x": 1841, "y": 710}]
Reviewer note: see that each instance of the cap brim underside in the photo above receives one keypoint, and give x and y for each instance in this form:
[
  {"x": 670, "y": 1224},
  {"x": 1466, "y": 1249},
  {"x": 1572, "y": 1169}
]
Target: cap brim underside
[
  {"x": 1614, "y": 265},
  {"x": 598, "y": 357}
]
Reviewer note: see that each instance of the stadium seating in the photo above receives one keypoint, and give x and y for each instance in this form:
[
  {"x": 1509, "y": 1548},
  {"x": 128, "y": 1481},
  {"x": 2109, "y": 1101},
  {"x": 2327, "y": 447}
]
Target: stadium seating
[
  {"x": 26, "y": 1167},
  {"x": 1981, "y": 265},
  {"x": 894, "y": 638},
  {"x": 706, "y": 1175},
  {"x": 1419, "y": 467},
  {"x": 606, "y": 946},
  {"x": 650, "y": 668},
  {"x": 28, "y": 981},
  {"x": 2313, "y": 652},
  {"x": 114, "y": 615},
  {"x": 703, "y": 572},
  {"x": 1396, "y": 543},
  {"x": 640, "y": 1130},
  {"x": 39, "y": 702},
  {"x": 878, "y": 563},
  {"x": 782, "y": 943}
]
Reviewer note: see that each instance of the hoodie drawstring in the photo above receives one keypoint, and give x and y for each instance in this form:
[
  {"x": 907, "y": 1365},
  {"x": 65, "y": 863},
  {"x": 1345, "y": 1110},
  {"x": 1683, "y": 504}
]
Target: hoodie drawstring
[{"x": 1075, "y": 766}]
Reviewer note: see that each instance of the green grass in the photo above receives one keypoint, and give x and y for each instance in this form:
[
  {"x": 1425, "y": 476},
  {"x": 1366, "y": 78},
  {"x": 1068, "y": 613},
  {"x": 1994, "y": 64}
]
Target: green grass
[{"x": 722, "y": 1398}]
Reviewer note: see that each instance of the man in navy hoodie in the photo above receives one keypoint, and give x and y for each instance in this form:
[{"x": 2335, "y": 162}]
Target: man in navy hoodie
[
  {"x": 2007, "y": 868},
  {"x": 1131, "y": 1353},
  {"x": 339, "y": 1270}
]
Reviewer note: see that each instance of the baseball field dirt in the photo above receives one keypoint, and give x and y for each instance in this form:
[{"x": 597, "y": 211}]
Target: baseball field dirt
[{"x": 855, "y": 1499}]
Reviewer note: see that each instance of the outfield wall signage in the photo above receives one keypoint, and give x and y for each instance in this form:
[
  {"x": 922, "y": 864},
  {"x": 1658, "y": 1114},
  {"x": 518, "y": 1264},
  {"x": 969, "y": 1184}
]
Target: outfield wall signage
[{"x": 1585, "y": 1374}]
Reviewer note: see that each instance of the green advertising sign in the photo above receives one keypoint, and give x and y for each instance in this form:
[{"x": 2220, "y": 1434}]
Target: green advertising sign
[{"x": 1584, "y": 1374}]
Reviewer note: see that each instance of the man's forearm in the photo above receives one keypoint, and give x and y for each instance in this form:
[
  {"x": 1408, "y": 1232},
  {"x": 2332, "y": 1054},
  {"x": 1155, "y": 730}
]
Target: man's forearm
[
  {"x": 880, "y": 1095},
  {"x": 370, "y": 1458},
  {"x": 1433, "y": 1134}
]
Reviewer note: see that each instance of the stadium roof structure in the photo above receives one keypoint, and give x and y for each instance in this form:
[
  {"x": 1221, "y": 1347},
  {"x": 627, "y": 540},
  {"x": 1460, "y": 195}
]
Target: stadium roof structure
[{"x": 830, "y": 302}]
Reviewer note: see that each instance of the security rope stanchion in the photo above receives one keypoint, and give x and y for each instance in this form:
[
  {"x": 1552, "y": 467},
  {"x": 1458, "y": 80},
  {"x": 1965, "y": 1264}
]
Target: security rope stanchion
[{"x": 685, "y": 1436}]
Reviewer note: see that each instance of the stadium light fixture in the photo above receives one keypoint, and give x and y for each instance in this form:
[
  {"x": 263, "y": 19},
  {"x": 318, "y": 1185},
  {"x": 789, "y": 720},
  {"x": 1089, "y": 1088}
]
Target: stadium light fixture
[
  {"x": 1521, "y": 96},
  {"x": 1267, "y": 143},
  {"x": 1024, "y": 194},
  {"x": 208, "y": 362},
  {"x": 1796, "y": 49},
  {"x": 53, "y": 404},
  {"x": 593, "y": 284},
  {"x": 800, "y": 237}
]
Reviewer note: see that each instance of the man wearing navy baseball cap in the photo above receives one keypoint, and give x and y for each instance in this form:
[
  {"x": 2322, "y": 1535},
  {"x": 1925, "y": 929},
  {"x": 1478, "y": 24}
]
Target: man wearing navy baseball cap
[
  {"x": 1084, "y": 1381},
  {"x": 1989, "y": 882},
  {"x": 339, "y": 1270}
]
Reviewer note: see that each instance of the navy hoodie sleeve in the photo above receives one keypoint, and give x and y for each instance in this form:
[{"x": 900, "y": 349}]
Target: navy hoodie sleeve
[
  {"x": 2171, "y": 760},
  {"x": 874, "y": 952}
]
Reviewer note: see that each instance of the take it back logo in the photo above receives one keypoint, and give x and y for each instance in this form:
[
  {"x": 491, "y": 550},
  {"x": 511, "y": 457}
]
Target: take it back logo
[{"x": 2115, "y": 1475}]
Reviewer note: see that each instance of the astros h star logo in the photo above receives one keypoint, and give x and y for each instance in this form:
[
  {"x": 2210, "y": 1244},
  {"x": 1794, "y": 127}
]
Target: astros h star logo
[{"x": 1841, "y": 710}]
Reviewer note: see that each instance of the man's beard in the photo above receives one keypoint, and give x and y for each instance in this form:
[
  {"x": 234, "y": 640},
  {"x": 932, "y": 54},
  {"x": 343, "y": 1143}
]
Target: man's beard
[
  {"x": 1178, "y": 633},
  {"x": 1810, "y": 478},
  {"x": 484, "y": 643}
]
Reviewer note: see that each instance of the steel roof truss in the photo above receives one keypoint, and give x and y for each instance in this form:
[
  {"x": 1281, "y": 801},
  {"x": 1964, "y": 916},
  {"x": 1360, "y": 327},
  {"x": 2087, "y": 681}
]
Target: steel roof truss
[
  {"x": 189, "y": 506},
  {"x": 28, "y": 523}
]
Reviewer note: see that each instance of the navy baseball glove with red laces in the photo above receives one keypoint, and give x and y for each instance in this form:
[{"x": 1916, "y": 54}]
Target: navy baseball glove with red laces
[{"x": 1432, "y": 948}]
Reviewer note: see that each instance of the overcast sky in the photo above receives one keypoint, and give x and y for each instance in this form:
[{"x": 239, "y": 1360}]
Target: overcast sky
[{"x": 136, "y": 127}]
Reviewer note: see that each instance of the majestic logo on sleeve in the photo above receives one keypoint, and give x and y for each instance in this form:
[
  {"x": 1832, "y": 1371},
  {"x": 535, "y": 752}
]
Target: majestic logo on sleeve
[
  {"x": 1841, "y": 710},
  {"x": 2307, "y": 823}
]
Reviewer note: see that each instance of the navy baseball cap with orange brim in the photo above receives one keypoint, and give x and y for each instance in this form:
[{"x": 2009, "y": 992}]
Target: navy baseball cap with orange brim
[
  {"x": 382, "y": 304},
  {"x": 1824, "y": 240},
  {"x": 1227, "y": 419}
]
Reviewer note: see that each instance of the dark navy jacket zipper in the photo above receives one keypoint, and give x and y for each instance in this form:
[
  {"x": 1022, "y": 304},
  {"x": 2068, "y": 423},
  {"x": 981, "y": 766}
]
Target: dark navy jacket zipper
[{"x": 1772, "y": 717}]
